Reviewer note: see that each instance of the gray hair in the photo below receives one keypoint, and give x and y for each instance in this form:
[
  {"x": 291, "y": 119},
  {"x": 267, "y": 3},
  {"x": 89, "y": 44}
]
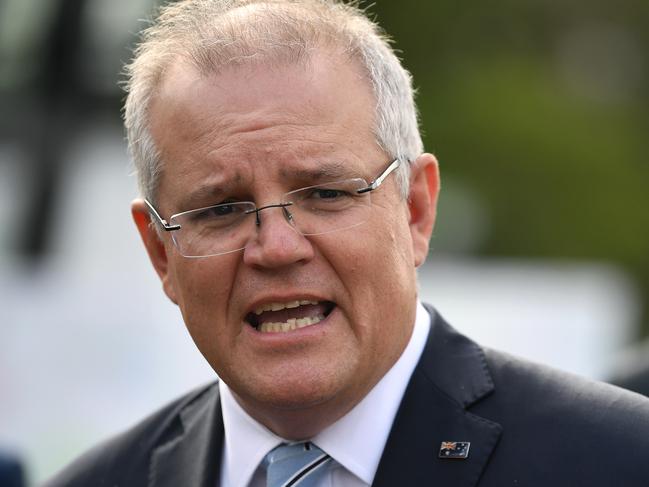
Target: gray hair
[{"x": 213, "y": 34}]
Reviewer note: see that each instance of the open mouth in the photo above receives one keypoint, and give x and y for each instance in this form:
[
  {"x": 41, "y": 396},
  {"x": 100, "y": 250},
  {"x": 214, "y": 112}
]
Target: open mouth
[{"x": 292, "y": 315}]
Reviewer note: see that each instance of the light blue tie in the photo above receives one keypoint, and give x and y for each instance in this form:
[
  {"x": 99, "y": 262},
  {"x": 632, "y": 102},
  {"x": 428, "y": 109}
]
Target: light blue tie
[{"x": 299, "y": 465}]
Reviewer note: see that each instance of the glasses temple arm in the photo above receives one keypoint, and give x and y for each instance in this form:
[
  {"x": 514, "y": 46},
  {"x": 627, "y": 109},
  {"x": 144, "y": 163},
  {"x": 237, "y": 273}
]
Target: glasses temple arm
[
  {"x": 380, "y": 178},
  {"x": 161, "y": 221}
]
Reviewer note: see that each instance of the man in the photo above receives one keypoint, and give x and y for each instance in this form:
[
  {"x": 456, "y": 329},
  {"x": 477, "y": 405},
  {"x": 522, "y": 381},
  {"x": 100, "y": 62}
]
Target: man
[{"x": 287, "y": 204}]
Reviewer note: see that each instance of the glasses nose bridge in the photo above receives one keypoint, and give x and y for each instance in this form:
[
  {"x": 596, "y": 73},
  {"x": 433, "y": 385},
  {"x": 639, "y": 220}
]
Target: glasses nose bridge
[{"x": 285, "y": 211}]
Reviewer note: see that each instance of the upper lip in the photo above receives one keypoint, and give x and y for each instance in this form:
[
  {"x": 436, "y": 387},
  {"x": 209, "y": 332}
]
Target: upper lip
[
  {"x": 277, "y": 305},
  {"x": 260, "y": 302}
]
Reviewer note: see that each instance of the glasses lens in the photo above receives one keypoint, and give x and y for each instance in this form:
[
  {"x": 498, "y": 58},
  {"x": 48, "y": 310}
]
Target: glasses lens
[
  {"x": 213, "y": 230},
  {"x": 329, "y": 207},
  {"x": 225, "y": 228}
]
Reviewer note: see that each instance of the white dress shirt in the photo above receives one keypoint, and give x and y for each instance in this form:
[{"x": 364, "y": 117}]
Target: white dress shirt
[{"x": 356, "y": 441}]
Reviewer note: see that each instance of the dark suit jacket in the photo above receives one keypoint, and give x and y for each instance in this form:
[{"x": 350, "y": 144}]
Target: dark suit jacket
[{"x": 527, "y": 425}]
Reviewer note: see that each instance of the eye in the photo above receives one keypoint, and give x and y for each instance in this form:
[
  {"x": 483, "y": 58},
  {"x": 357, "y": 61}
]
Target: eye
[
  {"x": 222, "y": 211},
  {"x": 328, "y": 193},
  {"x": 332, "y": 198}
]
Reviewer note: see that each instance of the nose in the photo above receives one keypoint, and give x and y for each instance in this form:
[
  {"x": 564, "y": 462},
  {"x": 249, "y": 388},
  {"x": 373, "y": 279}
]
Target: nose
[{"x": 277, "y": 242}]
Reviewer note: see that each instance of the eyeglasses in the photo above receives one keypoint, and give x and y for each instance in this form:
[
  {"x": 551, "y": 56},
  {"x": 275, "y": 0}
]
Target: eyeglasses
[{"x": 315, "y": 210}]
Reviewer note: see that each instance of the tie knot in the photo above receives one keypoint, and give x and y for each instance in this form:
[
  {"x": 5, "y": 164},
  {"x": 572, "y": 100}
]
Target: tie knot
[{"x": 295, "y": 464}]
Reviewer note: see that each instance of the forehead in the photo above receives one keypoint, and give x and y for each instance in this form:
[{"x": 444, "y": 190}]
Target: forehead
[{"x": 255, "y": 122}]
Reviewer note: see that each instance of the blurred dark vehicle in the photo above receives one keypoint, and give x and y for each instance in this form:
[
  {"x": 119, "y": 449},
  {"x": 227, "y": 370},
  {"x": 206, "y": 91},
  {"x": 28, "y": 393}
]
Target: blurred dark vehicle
[{"x": 11, "y": 472}]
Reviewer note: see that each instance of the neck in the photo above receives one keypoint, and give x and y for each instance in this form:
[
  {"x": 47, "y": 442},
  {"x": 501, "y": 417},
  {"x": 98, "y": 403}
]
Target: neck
[{"x": 299, "y": 423}]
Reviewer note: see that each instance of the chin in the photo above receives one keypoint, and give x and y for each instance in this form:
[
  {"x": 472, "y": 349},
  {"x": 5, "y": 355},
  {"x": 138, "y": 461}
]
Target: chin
[{"x": 296, "y": 394}]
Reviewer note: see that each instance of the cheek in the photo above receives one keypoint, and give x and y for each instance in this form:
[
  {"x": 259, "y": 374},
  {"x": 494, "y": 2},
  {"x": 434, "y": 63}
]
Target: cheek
[
  {"x": 203, "y": 288},
  {"x": 375, "y": 265},
  {"x": 393, "y": 248},
  {"x": 392, "y": 269}
]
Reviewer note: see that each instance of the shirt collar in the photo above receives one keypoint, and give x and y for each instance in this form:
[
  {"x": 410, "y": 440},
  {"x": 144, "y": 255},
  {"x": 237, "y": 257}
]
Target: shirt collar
[
  {"x": 356, "y": 440},
  {"x": 246, "y": 441}
]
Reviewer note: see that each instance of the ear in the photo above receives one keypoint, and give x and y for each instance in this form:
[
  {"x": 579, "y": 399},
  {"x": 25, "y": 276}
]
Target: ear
[
  {"x": 422, "y": 203},
  {"x": 154, "y": 245}
]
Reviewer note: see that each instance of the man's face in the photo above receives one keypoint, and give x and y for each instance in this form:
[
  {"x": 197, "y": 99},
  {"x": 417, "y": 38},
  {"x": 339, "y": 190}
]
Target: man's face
[{"x": 253, "y": 133}]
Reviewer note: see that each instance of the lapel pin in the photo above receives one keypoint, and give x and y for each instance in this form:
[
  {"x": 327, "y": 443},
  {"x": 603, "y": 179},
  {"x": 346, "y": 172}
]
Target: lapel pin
[{"x": 454, "y": 449}]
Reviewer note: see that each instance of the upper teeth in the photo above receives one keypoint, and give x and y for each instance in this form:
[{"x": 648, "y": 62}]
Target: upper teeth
[{"x": 281, "y": 306}]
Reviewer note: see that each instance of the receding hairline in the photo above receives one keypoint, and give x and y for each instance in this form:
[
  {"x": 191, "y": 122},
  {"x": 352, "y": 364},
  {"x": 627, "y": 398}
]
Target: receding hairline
[
  {"x": 277, "y": 56},
  {"x": 329, "y": 53}
]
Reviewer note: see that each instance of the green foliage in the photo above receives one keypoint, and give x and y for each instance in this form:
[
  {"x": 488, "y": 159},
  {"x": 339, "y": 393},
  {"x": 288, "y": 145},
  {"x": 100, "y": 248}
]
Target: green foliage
[{"x": 541, "y": 109}]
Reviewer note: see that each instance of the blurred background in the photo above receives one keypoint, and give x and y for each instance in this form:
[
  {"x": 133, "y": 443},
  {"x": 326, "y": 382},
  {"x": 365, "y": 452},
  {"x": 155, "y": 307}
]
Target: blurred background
[{"x": 538, "y": 112}]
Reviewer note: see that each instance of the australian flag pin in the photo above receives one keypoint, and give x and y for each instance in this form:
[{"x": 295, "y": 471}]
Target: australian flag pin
[{"x": 458, "y": 450}]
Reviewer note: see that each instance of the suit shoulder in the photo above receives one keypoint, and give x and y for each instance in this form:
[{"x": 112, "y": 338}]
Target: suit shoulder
[
  {"x": 558, "y": 427},
  {"x": 127, "y": 455},
  {"x": 521, "y": 382},
  {"x": 545, "y": 402}
]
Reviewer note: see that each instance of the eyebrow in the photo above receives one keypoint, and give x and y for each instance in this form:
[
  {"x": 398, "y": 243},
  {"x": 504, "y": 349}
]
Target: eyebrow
[
  {"x": 202, "y": 196},
  {"x": 323, "y": 172}
]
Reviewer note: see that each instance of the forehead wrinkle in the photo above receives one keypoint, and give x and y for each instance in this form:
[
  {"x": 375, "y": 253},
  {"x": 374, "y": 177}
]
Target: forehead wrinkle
[
  {"x": 290, "y": 147},
  {"x": 263, "y": 130}
]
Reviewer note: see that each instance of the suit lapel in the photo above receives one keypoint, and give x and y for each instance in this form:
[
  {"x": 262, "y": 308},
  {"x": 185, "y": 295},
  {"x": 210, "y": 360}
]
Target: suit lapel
[
  {"x": 451, "y": 376},
  {"x": 193, "y": 456}
]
